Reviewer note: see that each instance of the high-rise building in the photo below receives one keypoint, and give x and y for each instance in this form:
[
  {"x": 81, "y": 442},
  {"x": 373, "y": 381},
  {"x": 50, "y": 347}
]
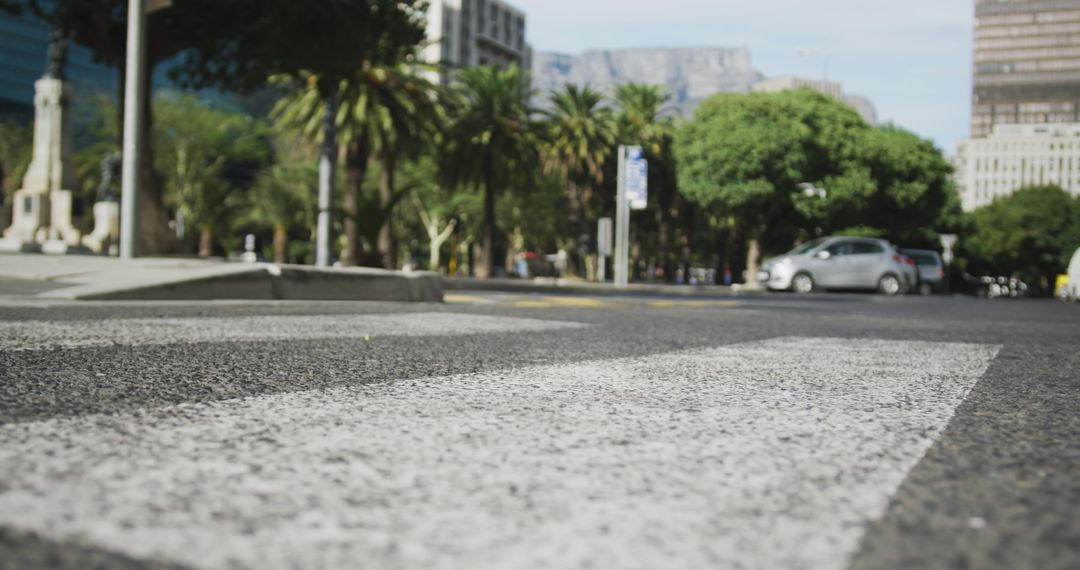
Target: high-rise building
[
  {"x": 1027, "y": 63},
  {"x": 463, "y": 33}
]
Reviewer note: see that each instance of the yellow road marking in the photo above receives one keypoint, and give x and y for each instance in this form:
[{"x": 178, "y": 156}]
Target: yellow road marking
[
  {"x": 667, "y": 304},
  {"x": 457, "y": 298},
  {"x": 547, "y": 302}
]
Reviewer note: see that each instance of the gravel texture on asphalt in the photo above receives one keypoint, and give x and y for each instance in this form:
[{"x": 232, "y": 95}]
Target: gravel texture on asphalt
[
  {"x": 999, "y": 490},
  {"x": 764, "y": 455},
  {"x": 42, "y": 335}
]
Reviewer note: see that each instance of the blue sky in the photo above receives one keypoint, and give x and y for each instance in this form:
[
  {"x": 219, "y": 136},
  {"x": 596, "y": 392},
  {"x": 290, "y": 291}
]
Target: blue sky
[{"x": 912, "y": 58}]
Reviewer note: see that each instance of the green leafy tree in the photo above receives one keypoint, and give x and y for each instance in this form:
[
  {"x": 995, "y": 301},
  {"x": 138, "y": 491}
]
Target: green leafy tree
[
  {"x": 195, "y": 145},
  {"x": 378, "y": 32},
  {"x": 432, "y": 208},
  {"x": 579, "y": 136},
  {"x": 237, "y": 45},
  {"x": 897, "y": 188},
  {"x": 1030, "y": 233},
  {"x": 747, "y": 154},
  {"x": 16, "y": 147},
  {"x": 490, "y": 143},
  {"x": 283, "y": 197}
]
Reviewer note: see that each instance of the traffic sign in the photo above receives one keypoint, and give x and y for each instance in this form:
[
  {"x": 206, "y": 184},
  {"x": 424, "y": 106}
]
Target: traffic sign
[{"x": 637, "y": 178}]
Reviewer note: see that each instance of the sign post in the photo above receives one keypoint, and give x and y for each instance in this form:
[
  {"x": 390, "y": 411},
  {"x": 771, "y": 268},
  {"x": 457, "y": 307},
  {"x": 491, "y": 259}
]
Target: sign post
[
  {"x": 947, "y": 243},
  {"x": 603, "y": 247},
  {"x": 134, "y": 94},
  {"x": 633, "y": 177}
]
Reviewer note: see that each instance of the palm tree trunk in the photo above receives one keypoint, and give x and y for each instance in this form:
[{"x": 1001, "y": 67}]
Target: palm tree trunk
[
  {"x": 753, "y": 254},
  {"x": 206, "y": 242},
  {"x": 154, "y": 234},
  {"x": 688, "y": 213},
  {"x": 281, "y": 244},
  {"x": 663, "y": 245},
  {"x": 485, "y": 265},
  {"x": 573, "y": 227},
  {"x": 387, "y": 243},
  {"x": 356, "y": 160}
]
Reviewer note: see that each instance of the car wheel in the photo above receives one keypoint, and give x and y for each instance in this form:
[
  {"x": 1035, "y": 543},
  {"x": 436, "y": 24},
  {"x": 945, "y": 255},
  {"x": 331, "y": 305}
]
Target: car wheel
[
  {"x": 802, "y": 283},
  {"x": 925, "y": 289},
  {"x": 889, "y": 284}
]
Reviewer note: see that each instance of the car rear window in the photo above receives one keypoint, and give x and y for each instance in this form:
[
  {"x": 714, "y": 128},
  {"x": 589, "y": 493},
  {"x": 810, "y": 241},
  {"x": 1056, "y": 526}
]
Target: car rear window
[{"x": 923, "y": 259}]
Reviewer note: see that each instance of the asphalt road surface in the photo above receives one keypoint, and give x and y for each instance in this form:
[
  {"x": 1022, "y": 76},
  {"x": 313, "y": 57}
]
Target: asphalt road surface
[{"x": 527, "y": 431}]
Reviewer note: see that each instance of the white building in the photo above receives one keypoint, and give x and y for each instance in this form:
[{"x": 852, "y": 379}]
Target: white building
[
  {"x": 463, "y": 33},
  {"x": 783, "y": 83},
  {"x": 833, "y": 89},
  {"x": 1017, "y": 155}
]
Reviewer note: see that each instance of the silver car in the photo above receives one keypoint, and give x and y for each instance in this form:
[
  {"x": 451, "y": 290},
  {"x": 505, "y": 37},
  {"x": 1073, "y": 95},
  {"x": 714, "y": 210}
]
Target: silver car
[{"x": 839, "y": 263}]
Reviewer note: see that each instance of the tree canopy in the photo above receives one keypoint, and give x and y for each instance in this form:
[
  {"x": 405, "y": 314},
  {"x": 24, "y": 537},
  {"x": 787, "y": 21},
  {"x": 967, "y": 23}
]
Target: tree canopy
[
  {"x": 747, "y": 154},
  {"x": 1031, "y": 233},
  {"x": 491, "y": 141}
]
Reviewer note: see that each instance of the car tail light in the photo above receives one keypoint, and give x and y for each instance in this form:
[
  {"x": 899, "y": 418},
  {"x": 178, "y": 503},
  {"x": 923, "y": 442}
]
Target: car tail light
[{"x": 903, "y": 259}]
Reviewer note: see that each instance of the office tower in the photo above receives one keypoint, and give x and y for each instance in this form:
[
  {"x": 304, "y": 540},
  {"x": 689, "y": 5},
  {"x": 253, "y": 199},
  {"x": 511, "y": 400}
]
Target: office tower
[
  {"x": 1027, "y": 63},
  {"x": 462, "y": 33}
]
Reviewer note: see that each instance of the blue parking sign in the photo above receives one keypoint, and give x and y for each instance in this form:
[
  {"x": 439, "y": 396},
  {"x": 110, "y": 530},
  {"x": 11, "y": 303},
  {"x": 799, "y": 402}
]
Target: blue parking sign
[{"x": 637, "y": 178}]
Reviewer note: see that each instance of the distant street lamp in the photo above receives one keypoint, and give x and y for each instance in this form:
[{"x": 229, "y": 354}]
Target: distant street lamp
[
  {"x": 811, "y": 191},
  {"x": 948, "y": 241}
]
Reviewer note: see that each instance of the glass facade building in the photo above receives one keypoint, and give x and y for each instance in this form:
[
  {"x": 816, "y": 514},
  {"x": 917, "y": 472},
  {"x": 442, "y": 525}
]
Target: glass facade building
[
  {"x": 1027, "y": 63},
  {"x": 24, "y": 44}
]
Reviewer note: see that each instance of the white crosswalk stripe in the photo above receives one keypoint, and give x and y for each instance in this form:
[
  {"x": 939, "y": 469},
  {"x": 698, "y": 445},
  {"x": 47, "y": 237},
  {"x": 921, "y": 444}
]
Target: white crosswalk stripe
[
  {"x": 771, "y": 454},
  {"x": 32, "y": 335}
]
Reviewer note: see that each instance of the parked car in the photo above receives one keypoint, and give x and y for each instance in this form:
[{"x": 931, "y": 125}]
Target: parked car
[
  {"x": 840, "y": 263},
  {"x": 931, "y": 269},
  {"x": 911, "y": 272}
]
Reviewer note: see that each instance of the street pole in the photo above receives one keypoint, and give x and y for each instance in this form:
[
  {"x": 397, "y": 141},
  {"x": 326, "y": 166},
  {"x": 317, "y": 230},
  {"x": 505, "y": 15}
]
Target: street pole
[
  {"x": 134, "y": 95},
  {"x": 622, "y": 225},
  {"x": 327, "y": 160},
  {"x": 603, "y": 247}
]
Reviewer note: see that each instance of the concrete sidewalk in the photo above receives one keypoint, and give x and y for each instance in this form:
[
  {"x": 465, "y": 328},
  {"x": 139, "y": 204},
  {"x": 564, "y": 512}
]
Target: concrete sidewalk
[{"x": 84, "y": 277}]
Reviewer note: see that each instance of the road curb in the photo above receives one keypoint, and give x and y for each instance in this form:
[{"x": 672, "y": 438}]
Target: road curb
[{"x": 266, "y": 281}]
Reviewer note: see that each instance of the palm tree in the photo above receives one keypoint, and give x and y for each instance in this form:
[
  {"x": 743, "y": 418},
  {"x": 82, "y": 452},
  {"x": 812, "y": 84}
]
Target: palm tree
[
  {"x": 640, "y": 119},
  {"x": 579, "y": 137},
  {"x": 642, "y": 122},
  {"x": 382, "y": 111},
  {"x": 283, "y": 197},
  {"x": 491, "y": 141},
  {"x": 195, "y": 142}
]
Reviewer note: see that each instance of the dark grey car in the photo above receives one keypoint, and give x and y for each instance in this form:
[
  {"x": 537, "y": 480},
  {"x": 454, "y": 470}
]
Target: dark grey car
[
  {"x": 931, "y": 269},
  {"x": 838, "y": 263}
]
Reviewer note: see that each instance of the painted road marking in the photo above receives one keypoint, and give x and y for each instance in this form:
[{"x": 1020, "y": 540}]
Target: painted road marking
[
  {"x": 30, "y": 335},
  {"x": 771, "y": 454},
  {"x": 532, "y": 301}
]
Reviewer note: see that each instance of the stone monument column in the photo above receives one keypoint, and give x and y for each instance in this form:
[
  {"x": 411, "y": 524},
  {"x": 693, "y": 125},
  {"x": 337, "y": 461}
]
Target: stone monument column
[{"x": 41, "y": 209}]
